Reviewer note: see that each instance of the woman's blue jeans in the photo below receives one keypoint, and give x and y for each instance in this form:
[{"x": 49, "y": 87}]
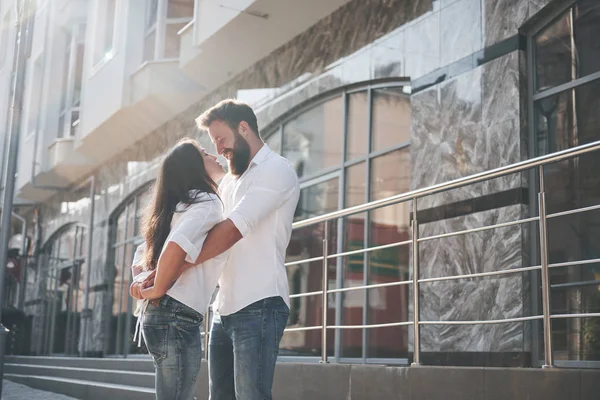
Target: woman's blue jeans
[{"x": 172, "y": 335}]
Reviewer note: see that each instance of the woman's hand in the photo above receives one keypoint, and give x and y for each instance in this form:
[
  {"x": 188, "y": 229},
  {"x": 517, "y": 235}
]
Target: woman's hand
[{"x": 135, "y": 290}]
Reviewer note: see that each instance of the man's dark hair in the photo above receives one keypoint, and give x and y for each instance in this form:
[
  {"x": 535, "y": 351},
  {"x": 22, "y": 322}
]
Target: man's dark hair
[{"x": 230, "y": 111}]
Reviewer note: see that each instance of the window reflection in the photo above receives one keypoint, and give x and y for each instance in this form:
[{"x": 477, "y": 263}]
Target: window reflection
[
  {"x": 307, "y": 243},
  {"x": 314, "y": 143},
  {"x": 390, "y": 175},
  {"x": 127, "y": 231},
  {"x": 313, "y": 140},
  {"x": 62, "y": 291},
  {"x": 568, "y": 48},
  {"x": 391, "y": 118},
  {"x": 565, "y": 51},
  {"x": 358, "y": 125}
]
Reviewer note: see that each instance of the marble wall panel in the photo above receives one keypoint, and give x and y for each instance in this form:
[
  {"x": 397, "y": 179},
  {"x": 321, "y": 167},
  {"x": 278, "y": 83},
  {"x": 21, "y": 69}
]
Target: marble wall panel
[
  {"x": 388, "y": 56},
  {"x": 467, "y": 125},
  {"x": 422, "y": 52},
  {"x": 501, "y": 89},
  {"x": 473, "y": 299},
  {"x": 461, "y": 32},
  {"x": 503, "y": 18},
  {"x": 537, "y": 5}
]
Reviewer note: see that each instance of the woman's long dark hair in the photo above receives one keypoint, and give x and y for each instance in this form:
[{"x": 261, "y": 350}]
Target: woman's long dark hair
[{"x": 181, "y": 172}]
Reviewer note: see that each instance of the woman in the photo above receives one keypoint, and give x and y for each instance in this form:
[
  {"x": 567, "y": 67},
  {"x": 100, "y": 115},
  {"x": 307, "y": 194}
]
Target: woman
[{"x": 184, "y": 208}]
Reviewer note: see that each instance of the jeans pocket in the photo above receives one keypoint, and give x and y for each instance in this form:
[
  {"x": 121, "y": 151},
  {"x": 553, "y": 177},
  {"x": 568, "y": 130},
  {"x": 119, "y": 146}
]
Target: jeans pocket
[{"x": 157, "y": 341}]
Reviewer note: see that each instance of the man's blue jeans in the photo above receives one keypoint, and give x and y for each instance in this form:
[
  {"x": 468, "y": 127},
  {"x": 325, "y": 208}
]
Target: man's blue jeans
[
  {"x": 243, "y": 349},
  {"x": 172, "y": 335}
]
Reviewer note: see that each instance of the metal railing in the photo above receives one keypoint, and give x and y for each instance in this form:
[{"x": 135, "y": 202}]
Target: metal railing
[{"x": 412, "y": 196}]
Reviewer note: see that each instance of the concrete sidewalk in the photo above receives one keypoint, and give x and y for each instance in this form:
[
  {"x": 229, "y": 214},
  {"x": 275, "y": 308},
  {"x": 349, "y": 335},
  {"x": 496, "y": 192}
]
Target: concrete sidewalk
[{"x": 16, "y": 391}]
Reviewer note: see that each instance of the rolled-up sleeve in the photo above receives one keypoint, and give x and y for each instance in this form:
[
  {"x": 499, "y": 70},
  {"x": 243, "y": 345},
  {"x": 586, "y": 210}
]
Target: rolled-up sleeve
[
  {"x": 267, "y": 192},
  {"x": 192, "y": 228}
]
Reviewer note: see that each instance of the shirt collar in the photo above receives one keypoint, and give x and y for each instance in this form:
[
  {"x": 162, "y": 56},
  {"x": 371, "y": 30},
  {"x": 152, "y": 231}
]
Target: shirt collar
[{"x": 261, "y": 155}]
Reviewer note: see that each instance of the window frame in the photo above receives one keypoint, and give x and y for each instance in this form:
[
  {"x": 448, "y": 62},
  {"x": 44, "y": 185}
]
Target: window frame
[
  {"x": 99, "y": 6},
  {"x": 159, "y": 29},
  {"x": 68, "y": 109},
  {"x": 121, "y": 338},
  {"x": 547, "y": 17},
  {"x": 6, "y": 14},
  {"x": 340, "y": 171}
]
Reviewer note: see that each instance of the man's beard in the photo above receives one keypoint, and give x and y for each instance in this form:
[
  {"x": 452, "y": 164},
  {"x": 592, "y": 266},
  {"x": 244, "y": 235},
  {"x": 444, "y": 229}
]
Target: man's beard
[{"x": 240, "y": 156}]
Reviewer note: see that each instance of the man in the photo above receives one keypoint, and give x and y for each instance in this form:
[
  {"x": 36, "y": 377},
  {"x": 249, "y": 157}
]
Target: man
[{"x": 260, "y": 194}]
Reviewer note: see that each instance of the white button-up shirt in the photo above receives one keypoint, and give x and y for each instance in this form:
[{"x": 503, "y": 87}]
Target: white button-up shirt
[{"x": 261, "y": 204}]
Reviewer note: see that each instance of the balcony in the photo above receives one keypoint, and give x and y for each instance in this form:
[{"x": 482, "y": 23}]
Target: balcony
[
  {"x": 135, "y": 84},
  {"x": 158, "y": 91},
  {"x": 229, "y": 36},
  {"x": 60, "y": 166}
]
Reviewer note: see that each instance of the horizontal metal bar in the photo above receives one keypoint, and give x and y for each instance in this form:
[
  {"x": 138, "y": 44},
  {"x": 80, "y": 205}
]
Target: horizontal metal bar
[
  {"x": 304, "y": 328},
  {"x": 488, "y": 322},
  {"x": 575, "y": 284},
  {"x": 391, "y": 324},
  {"x": 588, "y": 315},
  {"x": 574, "y": 263},
  {"x": 295, "y": 296},
  {"x": 483, "y": 228},
  {"x": 566, "y": 86},
  {"x": 369, "y": 249},
  {"x": 374, "y": 286},
  {"x": 457, "y": 183},
  {"x": 575, "y": 211},
  {"x": 308, "y": 260},
  {"x": 481, "y": 274}
]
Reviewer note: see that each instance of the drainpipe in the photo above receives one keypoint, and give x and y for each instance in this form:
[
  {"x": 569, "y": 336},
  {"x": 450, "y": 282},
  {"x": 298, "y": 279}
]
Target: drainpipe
[
  {"x": 86, "y": 312},
  {"x": 23, "y": 285},
  {"x": 11, "y": 164}
]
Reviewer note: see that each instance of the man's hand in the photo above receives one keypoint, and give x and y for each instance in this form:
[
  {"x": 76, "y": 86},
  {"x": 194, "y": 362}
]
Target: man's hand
[
  {"x": 152, "y": 293},
  {"x": 149, "y": 281}
]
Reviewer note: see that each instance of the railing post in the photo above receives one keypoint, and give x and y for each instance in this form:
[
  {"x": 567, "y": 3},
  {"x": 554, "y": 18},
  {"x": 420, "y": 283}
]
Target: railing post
[
  {"x": 548, "y": 357},
  {"x": 206, "y": 328},
  {"x": 415, "y": 275},
  {"x": 325, "y": 283}
]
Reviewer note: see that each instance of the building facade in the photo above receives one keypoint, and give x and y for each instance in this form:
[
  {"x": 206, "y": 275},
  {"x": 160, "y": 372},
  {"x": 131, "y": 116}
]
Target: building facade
[{"x": 367, "y": 99}]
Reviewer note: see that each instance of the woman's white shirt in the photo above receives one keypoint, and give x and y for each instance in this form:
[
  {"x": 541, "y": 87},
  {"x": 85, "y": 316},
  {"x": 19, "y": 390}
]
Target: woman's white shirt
[{"x": 189, "y": 229}]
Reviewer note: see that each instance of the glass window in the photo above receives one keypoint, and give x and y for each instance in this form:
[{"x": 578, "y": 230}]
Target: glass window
[
  {"x": 180, "y": 9},
  {"x": 307, "y": 243},
  {"x": 4, "y": 32},
  {"x": 171, "y": 16},
  {"x": 390, "y": 175},
  {"x": 61, "y": 283},
  {"x": 105, "y": 30},
  {"x": 72, "y": 81},
  {"x": 126, "y": 237},
  {"x": 313, "y": 140},
  {"x": 35, "y": 90},
  {"x": 274, "y": 141},
  {"x": 358, "y": 125},
  {"x": 172, "y": 41},
  {"x": 567, "y": 49},
  {"x": 391, "y": 118}
]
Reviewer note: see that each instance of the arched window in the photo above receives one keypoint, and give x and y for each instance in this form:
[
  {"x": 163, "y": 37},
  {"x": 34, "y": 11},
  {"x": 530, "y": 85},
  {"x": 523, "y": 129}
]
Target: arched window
[
  {"x": 62, "y": 290},
  {"x": 348, "y": 148},
  {"x": 125, "y": 237}
]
